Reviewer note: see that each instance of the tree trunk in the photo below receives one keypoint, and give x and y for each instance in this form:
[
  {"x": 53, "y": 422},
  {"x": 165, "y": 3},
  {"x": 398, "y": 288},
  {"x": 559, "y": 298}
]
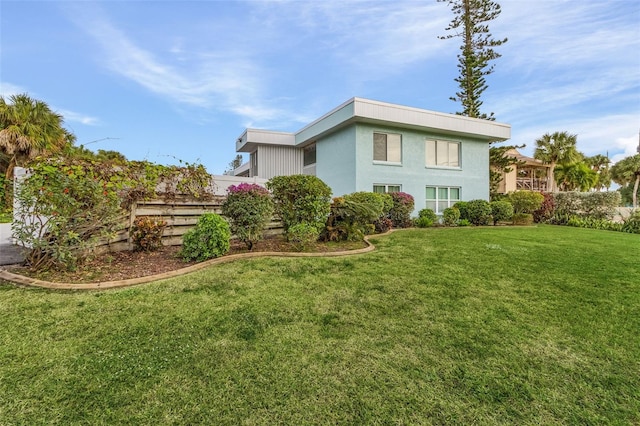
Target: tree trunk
[
  {"x": 551, "y": 178},
  {"x": 635, "y": 191}
]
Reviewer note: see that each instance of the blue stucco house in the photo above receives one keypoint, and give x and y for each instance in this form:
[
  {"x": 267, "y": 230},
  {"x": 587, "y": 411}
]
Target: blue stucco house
[{"x": 365, "y": 145}]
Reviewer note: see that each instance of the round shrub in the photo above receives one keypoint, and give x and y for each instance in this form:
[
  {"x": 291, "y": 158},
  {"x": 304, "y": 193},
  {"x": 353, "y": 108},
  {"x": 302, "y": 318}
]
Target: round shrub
[
  {"x": 146, "y": 233},
  {"x": 428, "y": 213},
  {"x": 526, "y": 201},
  {"x": 209, "y": 239},
  {"x": 462, "y": 208},
  {"x": 450, "y": 216},
  {"x": 479, "y": 212},
  {"x": 248, "y": 208},
  {"x": 400, "y": 213},
  {"x": 501, "y": 211},
  {"x": 300, "y": 199},
  {"x": 426, "y": 218},
  {"x": 302, "y": 235}
]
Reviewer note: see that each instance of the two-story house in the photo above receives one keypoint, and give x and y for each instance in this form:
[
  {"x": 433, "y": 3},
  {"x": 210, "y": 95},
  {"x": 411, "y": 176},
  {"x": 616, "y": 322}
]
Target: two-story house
[{"x": 365, "y": 145}]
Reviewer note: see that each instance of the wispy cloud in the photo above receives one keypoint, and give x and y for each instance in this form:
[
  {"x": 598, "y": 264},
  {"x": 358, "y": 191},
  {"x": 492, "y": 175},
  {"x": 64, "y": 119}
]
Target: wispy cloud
[
  {"x": 372, "y": 39},
  {"x": 215, "y": 79},
  {"x": 560, "y": 57},
  {"x": 75, "y": 117},
  {"x": 561, "y": 54},
  {"x": 8, "y": 89}
]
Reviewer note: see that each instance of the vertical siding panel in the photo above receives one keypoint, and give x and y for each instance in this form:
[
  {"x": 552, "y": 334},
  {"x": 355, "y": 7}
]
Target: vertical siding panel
[{"x": 279, "y": 160}]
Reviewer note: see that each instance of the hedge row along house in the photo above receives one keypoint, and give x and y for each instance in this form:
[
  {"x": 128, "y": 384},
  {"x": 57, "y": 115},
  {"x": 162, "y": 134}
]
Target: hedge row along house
[{"x": 366, "y": 145}]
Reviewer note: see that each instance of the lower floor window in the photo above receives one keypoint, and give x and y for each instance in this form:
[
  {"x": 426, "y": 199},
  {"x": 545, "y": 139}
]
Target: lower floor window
[
  {"x": 441, "y": 197},
  {"x": 385, "y": 188}
]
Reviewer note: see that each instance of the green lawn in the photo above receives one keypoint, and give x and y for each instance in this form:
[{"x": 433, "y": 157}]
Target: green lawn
[{"x": 499, "y": 325}]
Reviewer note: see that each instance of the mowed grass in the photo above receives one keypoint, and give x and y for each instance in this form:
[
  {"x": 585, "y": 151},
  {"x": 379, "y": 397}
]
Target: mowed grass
[{"x": 502, "y": 325}]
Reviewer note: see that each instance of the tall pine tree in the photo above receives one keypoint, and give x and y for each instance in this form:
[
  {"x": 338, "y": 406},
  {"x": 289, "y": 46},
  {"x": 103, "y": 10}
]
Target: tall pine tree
[{"x": 470, "y": 23}]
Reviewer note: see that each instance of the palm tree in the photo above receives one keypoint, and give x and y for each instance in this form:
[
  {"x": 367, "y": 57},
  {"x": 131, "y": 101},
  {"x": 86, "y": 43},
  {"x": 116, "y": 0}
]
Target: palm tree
[
  {"x": 28, "y": 128},
  {"x": 575, "y": 177},
  {"x": 626, "y": 171},
  {"x": 554, "y": 149},
  {"x": 600, "y": 164}
]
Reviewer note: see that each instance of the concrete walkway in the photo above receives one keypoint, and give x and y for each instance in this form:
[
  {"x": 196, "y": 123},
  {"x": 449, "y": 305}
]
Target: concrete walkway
[{"x": 10, "y": 254}]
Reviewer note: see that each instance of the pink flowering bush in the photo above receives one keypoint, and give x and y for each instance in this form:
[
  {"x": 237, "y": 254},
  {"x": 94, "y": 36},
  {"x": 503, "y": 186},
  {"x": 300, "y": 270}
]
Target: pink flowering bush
[
  {"x": 248, "y": 208},
  {"x": 400, "y": 213}
]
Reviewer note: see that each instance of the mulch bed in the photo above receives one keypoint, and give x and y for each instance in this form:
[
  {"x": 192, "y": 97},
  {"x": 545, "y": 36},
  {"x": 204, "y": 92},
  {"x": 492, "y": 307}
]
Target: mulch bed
[{"x": 130, "y": 264}]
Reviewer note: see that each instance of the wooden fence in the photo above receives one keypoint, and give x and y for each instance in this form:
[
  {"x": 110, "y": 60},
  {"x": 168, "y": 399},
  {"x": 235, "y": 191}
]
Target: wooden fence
[{"x": 180, "y": 214}]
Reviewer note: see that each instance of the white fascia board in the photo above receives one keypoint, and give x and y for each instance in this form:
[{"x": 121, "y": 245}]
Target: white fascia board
[
  {"x": 251, "y": 138},
  {"x": 375, "y": 112}
]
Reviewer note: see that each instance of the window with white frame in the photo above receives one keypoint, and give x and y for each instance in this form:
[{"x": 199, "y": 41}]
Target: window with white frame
[
  {"x": 440, "y": 197},
  {"x": 387, "y": 147},
  {"x": 382, "y": 188},
  {"x": 442, "y": 154}
]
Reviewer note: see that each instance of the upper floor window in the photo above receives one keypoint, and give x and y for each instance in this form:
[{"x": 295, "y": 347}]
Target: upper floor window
[
  {"x": 387, "y": 147},
  {"x": 309, "y": 155},
  {"x": 443, "y": 154}
]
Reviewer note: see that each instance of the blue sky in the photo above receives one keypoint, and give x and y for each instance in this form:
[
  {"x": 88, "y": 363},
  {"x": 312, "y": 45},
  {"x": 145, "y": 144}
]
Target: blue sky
[{"x": 181, "y": 80}]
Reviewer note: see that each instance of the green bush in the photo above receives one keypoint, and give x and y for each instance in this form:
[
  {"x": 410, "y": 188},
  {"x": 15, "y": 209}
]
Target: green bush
[
  {"x": 464, "y": 222},
  {"x": 387, "y": 202},
  {"x": 248, "y": 208},
  {"x": 300, "y": 199},
  {"x": 594, "y": 223},
  {"x": 6, "y": 195},
  {"x": 426, "y": 218},
  {"x": 526, "y": 201},
  {"x": 209, "y": 239},
  {"x": 423, "y": 222},
  {"x": 400, "y": 213},
  {"x": 64, "y": 209},
  {"x": 501, "y": 211},
  {"x": 479, "y": 212},
  {"x": 462, "y": 208},
  {"x": 352, "y": 216},
  {"x": 598, "y": 205},
  {"x": 428, "y": 213},
  {"x": 146, "y": 233},
  {"x": 632, "y": 223},
  {"x": 450, "y": 216},
  {"x": 522, "y": 219},
  {"x": 383, "y": 223},
  {"x": 303, "y": 235},
  {"x": 371, "y": 206}
]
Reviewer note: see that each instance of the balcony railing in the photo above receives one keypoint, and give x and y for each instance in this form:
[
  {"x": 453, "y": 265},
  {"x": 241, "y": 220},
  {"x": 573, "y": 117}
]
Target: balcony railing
[{"x": 531, "y": 184}]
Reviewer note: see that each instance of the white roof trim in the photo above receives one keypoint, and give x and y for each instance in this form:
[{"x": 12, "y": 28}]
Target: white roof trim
[{"x": 359, "y": 110}]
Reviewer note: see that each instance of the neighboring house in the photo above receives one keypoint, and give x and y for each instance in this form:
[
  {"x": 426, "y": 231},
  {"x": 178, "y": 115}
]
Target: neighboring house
[
  {"x": 529, "y": 174},
  {"x": 365, "y": 145}
]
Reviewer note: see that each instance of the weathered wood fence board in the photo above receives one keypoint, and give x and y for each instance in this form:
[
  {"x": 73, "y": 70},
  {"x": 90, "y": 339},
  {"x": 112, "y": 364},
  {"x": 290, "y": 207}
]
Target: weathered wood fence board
[{"x": 181, "y": 215}]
